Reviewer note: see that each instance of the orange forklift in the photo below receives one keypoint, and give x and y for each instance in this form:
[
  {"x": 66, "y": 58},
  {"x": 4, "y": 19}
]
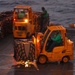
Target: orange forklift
[
  {"x": 24, "y": 24},
  {"x": 63, "y": 52}
]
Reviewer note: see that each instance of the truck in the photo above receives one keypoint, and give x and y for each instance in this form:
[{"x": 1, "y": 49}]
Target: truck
[
  {"x": 26, "y": 22},
  {"x": 39, "y": 45}
]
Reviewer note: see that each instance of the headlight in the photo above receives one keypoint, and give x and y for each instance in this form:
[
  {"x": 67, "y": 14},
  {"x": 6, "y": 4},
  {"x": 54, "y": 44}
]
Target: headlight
[
  {"x": 68, "y": 40},
  {"x": 14, "y": 19},
  {"x": 26, "y": 20},
  {"x": 34, "y": 40},
  {"x": 38, "y": 40}
]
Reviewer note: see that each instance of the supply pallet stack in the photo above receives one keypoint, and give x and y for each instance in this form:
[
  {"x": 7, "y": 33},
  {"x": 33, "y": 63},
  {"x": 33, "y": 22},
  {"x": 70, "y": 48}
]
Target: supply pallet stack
[
  {"x": 6, "y": 23},
  {"x": 24, "y": 50}
]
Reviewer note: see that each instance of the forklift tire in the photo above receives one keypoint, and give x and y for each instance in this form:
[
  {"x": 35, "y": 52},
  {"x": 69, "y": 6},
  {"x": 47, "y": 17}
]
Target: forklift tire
[
  {"x": 65, "y": 59},
  {"x": 42, "y": 59}
]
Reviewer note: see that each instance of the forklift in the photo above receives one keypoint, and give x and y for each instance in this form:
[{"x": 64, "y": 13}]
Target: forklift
[{"x": 60, "y": 53}]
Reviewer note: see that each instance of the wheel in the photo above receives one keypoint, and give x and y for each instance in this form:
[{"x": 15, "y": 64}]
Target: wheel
[
  {"x": 42, "y": 59},
  {"x": 65, "y": 59}
]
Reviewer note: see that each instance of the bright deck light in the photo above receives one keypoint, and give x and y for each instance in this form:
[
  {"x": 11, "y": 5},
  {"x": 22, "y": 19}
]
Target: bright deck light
[{"x": 26, "y": 20}]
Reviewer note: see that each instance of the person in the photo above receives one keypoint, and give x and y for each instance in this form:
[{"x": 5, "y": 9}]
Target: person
[
  {"x": 21, "y": 15},
  {"x": 44, "y": 13},
  {"x": 55, "y": 41},
  {"x": 45, "y": 18}
]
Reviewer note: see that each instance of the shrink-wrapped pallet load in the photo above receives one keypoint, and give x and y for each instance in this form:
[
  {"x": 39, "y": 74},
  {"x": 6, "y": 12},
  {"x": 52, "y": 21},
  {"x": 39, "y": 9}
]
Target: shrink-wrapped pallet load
[
  {"x": 24, "y": 51},
  {"x": 6, "y": 23}
]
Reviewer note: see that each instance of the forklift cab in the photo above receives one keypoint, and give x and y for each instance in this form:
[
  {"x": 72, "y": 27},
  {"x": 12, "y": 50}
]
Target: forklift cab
[
  {"x": 22, "y": 13},
  {"x": 62, "y": 52},
  {"x": 55, "y": 39}
]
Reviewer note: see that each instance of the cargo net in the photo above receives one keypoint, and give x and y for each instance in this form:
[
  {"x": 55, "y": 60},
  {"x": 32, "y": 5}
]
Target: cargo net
[
  {"x": 37, "y": 23},
  {"x": 40, "y": 22},
  {"x": 20, "y": 52}
]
